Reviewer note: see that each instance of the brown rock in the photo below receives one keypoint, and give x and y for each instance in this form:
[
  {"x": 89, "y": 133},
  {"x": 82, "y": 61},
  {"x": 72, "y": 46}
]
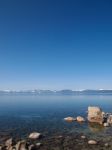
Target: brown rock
[
  {"x": 69, "y": 119},
  {"x": 80, "y": 119},
  {"x": 109, "y": 120},
  {"x": 92, "y": 142},
  {"x": 34, "y": 135},
  {"x": 21, "y": 145},
  {"x": 8, "y": 143},
  {"x": 106, "y": 124},
  {"x": 95, "y": 114}
]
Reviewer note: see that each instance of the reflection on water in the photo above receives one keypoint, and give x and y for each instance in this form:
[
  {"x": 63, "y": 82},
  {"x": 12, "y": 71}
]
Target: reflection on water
[
  {"x": 20, "y": 115},
  {"x": 95, "y": 128}
]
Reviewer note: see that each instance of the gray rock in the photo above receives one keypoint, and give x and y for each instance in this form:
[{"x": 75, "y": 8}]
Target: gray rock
[{"x": 106, "y": 145}]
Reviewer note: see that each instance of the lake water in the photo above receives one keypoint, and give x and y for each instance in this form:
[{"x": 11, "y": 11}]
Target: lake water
[{"x": 20, "y": 115}]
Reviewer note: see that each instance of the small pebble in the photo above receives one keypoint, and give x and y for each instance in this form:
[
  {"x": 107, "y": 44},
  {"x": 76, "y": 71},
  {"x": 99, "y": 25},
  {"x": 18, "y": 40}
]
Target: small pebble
[
  {"x": 83, "y": 136},
  {"x": 106, "y": 145},
  {"x": 38, "y": 144}
]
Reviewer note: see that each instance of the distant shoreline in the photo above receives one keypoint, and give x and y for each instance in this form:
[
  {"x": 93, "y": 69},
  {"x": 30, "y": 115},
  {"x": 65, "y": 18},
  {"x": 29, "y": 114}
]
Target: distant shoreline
[{"x": 58, "y": 92}]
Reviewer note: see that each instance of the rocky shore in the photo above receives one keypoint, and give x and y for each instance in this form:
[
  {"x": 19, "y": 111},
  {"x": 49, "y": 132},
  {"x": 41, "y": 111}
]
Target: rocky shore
[
  {"x": 58, "y": 142},
  {"x": 67, "y": 141}
]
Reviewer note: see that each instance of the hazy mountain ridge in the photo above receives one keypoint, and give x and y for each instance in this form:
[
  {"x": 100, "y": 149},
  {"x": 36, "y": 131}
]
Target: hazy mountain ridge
[{"x": 58, "y": 92}]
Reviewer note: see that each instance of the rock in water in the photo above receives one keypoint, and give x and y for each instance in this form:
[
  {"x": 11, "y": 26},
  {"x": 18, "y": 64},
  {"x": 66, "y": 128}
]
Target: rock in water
[
  {"x": 109, "y": 120},
  {"x": 38, "y": 144},
  {"x": 80, "y": 119},
  {"x": 106, "y": 124},
  {"x": 83, "y": 137},
  {"x": 69, "y": 119},
  {"x": 95, "y": 115},
  {"x": 34, "y": 135},
  {"x": 106, "y": 145},
  {"x": 92, "y": 142}
]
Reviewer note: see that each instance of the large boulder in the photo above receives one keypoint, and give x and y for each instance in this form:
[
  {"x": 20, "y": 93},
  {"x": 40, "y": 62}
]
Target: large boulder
[{"x": 95, "y": 114}]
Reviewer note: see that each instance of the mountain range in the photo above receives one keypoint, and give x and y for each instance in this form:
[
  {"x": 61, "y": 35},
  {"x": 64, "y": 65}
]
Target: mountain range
[{"x": 58, "y": 92}]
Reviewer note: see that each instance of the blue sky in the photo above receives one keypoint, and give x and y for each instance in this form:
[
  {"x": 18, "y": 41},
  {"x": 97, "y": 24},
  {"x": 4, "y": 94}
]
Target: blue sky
[{"x": 55, "y": 44}]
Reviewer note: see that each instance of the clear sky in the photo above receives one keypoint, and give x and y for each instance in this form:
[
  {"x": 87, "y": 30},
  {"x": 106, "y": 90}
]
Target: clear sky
[{"x": 55, "y": 44}]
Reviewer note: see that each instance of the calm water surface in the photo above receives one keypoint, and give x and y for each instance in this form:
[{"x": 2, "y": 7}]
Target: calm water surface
[{"x": 20, "y": 115}]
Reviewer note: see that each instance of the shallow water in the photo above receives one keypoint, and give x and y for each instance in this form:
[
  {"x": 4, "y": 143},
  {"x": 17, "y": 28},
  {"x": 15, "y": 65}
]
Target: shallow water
[{"x": 20, "y": 115}]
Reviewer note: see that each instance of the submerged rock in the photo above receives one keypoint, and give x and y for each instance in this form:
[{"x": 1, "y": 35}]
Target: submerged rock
[
  {"x": 69, "y": 119},
  {"x": 106, "y": 145},
  {"x": 80, "y": 119},
  {"x": 95, "y": 114},
  {"x": 92, "y": 142},
  {"x": 83, "y": 136},
  {"x": 38, "y": 144},
  {"x": 34, "y": 135}
]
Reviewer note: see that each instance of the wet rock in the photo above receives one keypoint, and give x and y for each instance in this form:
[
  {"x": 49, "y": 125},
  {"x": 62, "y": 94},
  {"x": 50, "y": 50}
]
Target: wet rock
[
  {"x": 106, "y": 145},
  {"x": 95, "y": 114},
  {"x": 60, "y": 136},
  {"x": 21, "y": 145},
  {"x": 83, "y": 136},
  {"x": 13, "y": 148},
  {"x": 31, "y": 147},
  {"x": 80, "y": 119},
  {"x": 8, "y": 143},
  {"x": 69, "y": 119},
  {"x": 0, "y": 147},
  {"x": 106, "y": 124},
  {"x": 95, "y": 127},
  {"x": 38, "y": 144},
  {"x": 92, "y": 142},
  {"x": 34, "y": 135},
  {"x": 109, "y": 120}
]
